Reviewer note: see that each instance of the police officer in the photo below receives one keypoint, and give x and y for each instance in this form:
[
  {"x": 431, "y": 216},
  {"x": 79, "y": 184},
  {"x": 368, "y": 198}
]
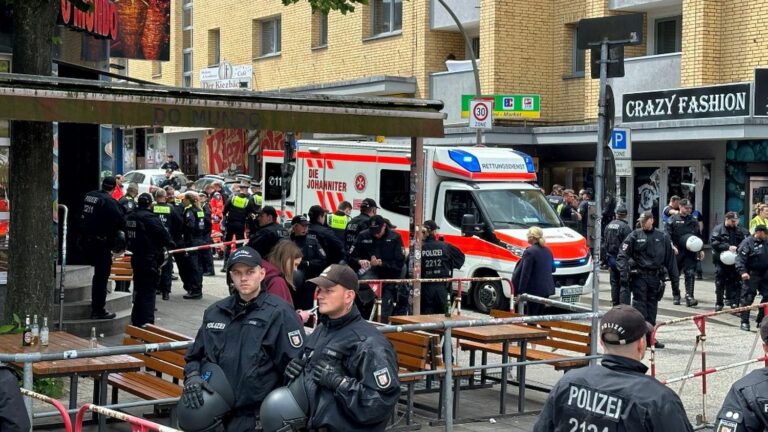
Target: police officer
[
  {"x": 206, "y": 255},
  {"x": 13, "y": 413},
  {"x": 236, "y": 214},
  {"x": 615, "y": 395},
  {"x": 101, "y": 220},
  {"x": 556, "y": 197},
  {"x": 744, "y": 407},
  {"x": 256, "y": 197},
  {"x": 359, "y": 223},
  {"x": 378, "y": 254},
  {"x": 726, "y": 237},
  {"x": 269, "y": 233},
  {"x": 438, "y": 259},
  {"x": 348, "y": 367},
  {"x": 338, "y": 220},
  {"x": 615, "y": 234},
  {"x": 252, "y": 335},
  {"x": 680, "y": 226},
  {"x": 170, "y": 164},
  {"x": 170, "y": 180},
  {"x": 332, "y": 244},
  {"x": 172, "y": 222},
  {"x": 313, "y": 261},
  {"x": 645, "y": 257},
  {"x": 147, "y": 239},
  {"x": 193, "y": 230},
  {"x": 752, "y": 264},
  {"x": 128, "y": 201}
]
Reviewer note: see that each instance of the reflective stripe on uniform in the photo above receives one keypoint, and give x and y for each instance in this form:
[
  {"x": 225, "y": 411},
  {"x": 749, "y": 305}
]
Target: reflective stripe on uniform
[
  {"x": 257, "y": 199},
  {"x": 338, "y": 222},
  {"x": 239, "y": 202},
  {"x": 161, "y": 209}
]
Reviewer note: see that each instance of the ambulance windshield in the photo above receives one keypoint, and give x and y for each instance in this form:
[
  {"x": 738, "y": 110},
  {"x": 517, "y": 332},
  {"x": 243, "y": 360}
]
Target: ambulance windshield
[{"x": 517, "y": 208}]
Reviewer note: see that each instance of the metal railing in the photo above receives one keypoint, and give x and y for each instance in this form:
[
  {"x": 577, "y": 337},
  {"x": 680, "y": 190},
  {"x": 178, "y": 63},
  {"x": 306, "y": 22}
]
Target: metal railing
[
  {"x": 138, "y": 424},
  {"x": 60, "y": 410}
]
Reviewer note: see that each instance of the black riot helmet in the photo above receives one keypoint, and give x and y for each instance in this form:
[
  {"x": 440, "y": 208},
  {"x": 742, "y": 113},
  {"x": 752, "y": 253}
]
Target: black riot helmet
[
  {"x": 285, "y": 409},
  {"x": 215, "y": 405}
]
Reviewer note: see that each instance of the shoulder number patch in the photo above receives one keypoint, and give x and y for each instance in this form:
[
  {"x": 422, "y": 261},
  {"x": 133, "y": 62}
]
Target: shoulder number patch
[
  {"x": 727, "y": 426},
  {"x": 382, "y": 377},
  {"x": 295, "y": 338}
]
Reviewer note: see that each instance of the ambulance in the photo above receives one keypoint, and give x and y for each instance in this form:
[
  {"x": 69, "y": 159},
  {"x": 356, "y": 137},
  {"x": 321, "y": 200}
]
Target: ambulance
[{"x": 491, "y": 185}]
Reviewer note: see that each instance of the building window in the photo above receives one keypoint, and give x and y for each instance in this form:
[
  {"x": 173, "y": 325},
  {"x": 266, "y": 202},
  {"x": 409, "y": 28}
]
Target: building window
[
  {"x": 393, "y": 191},
  {"x": 475, "y": 47},
  {"x": 214, "y": 47},
  {"x": 157, "y": 68},
  {"x": 186, "y": 17},
  {"x": 269, "y": 36},
  {"x": 668, "y": 35},
  {"x": 187, "y": 67},
  {"x": 319, "y": 29},
  {"x": 186, "y": 27},
  {"x": 387, "y": 16},
  {"x": 577, "y": 56}
]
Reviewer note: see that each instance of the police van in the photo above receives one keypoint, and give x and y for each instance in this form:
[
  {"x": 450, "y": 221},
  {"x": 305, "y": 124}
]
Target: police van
[{"x": 479, "y": 190}]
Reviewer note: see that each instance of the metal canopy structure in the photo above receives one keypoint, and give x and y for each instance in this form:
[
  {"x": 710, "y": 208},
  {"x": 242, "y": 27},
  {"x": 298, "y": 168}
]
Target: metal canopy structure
[{"x": 49, "y": 99}]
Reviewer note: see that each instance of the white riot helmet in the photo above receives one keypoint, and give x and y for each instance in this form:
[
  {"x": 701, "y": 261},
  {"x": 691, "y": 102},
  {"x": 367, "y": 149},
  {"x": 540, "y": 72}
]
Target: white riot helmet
[
  {"x": 728, "y": 257},
  {"x": 693, "y": 243}
]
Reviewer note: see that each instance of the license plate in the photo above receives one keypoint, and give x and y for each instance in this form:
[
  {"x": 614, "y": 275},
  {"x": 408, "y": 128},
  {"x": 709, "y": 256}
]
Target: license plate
[{"x": 571, "y": 291}]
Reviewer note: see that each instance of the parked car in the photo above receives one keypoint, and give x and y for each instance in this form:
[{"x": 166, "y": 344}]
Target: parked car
[
  {"x": 226, "y": 182},
  {"x": 149, "y": 179}
]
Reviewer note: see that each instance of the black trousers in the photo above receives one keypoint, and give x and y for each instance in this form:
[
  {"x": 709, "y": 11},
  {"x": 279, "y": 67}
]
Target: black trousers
[
  {"x": 727, "y": 284},
  {"x": 99, "y": 253},
  {"x": 166, "y": 273},
  {"x": 206, "y": 260},
  {"x": 434, "y": 297},
  {"x": 686, "y": 264},
  {"x": 615, "y": 279},
  {"x": 146, "y": 278},
  {"x": 645, "y": 291},
  {"x": 757, "y": 284},
  {"x": 191, "y": 272},
  {"x": 233, "y": 229}
]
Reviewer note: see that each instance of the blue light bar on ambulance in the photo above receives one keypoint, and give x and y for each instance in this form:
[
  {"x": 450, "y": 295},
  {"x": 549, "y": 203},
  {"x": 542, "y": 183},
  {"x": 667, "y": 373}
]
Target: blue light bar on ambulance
[
  {"x": 465, "y": 159},
  {"x": 528, "y": 161}
]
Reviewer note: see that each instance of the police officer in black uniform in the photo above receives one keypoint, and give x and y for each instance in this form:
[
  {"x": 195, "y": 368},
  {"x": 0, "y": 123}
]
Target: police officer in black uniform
[
  {"x": 13, "y": 413},
  {"x": 171, "y": 219},
  {"x": 680, "y": 227},
  {"x": 100, "y": 222},
  {"x": 338, "y": 220},
  {"x": 646, "y": 256},
  {"x": 359, "y": 223},
  {"x": 170, "y": 180},
  {"x": 170, "y": 164},
  {"x": 193, "y": 230},
  {"x": 438, "y": 259},
  {"x": 313, "y": 261},
  {"x": 147, "y": 239},
  {"x": 252, "y": 335},
  {"x": 726, "y": 236},
  {"x": 237, "y": 212},
  {"x": 378, "y": 254},
  {"x": 752, "y": 265},
  {"x": 128, "y": 201},
  {"x": 269, "y": 233},
  {"x": 348, "y": 367},
  {"x": 616, "y": 395},
  {"x": 615, "y": 234},
  {"x": 745, "y": 406},
  {"x": 206, "y": 255},
  {"x": 332, "y": 244}
]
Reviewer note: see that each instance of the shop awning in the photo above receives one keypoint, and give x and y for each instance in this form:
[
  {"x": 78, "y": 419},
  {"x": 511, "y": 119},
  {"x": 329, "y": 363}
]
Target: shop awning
[{"x": 37, "y": 98}]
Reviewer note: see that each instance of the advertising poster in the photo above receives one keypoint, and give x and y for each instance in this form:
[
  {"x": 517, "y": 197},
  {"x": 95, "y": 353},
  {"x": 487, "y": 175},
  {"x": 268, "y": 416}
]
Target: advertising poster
[{"x": 145, "y": 30}]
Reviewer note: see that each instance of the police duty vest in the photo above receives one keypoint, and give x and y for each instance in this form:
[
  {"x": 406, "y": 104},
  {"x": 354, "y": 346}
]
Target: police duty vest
[
  {"x": 257, "y": 199},
  {"x": 240, "y": 202},
  {"x": 338, "y": 222},
  {"x": 163, "y": 211},
  {"x": 200, "y": 216}
]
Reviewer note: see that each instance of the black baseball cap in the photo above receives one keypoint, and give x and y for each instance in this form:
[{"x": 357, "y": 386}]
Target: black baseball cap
[
  {"x": 431, "y": 225},
  {"x": 622, "y": 209},
  {"x": 337, "y": 274},
  {"x": 623, "y": 325},
  {"x": 144, "y": 200},
  {"x": 269, "y": 210},
  {"x": 376, "y": 222},
  {"x": 368, "y": 203},
  {"x": 300, "y": 219},
  {"x": 109, "y": 181},
  {"x": 244, "y": 255},
  {"x": 762, "y": 228}
]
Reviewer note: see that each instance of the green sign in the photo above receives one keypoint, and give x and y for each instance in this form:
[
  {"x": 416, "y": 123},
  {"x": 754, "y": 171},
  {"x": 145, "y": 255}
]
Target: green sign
[{"x": 508, "y": 106}]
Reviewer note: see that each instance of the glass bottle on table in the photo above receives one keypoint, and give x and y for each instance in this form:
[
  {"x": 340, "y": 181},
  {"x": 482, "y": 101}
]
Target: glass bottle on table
[
  {"x": 35, "y": 331},
  {"x": 448, "y": 304},
  {"x": 94, "y": 341},
  {"x": 26, "y": 336},
  {"x": 44, "y": 332}
]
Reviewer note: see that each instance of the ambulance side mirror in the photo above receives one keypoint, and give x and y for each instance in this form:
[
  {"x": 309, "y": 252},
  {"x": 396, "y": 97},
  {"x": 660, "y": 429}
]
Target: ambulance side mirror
[{"x": 469, "y": 225}]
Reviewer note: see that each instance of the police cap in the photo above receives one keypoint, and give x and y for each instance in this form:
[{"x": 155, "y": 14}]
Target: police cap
[
  {"x": 376, "y": 222},
  {"x": 368, "y": 203},
  {"x": 431, "y": 225},
  {"x": 300, "y": 219},
  {"x": 144, "y": 200},
  {"x": 109, "y": 182},
  {"x": 623, "y": 325},
  {"x": 621, "y": 209}
]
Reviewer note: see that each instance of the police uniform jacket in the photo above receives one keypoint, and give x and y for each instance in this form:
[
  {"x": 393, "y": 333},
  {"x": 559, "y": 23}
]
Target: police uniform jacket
[
  {"x": 170, "y": 217},
  {"x": 171, "y": 165},
  {"x": 355, "y": 226},
  {"x": 267, "y": 237},
  {"x": 745, "y": 408},
  {"x": 337, "y": 223},
  {"x": 329, "y": 241},
  {"x": 252, "y": 342},
  {"x": 170, "y": 182},
  {"x": 752, "y": 256},
  {"x": 615, "y": 234},
  {"x": 313, "y": 259},
  {"x": 193, "y": 230},
  {"x": 438, "y": 258},
  {"x": 102, "y": 216},
  {"x": 388, "y": 248},
  {"x": 128, "y": 203},
  {"x": 615, "y": 396},
  {"x": 678, "y": 226},
  {"x": 207, "y": 220},
  {"x": 366, "y": 358},
  {"x": 13, "y": 413},
  {"x": 723, "y": 237},
  {"x": 146, "y": 236},
  {"x": 237, "y": 209},
  {"x": 647, "y": 252}
]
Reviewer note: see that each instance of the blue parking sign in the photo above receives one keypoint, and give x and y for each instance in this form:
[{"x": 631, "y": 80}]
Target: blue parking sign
[{"x": 619, "y": 139}]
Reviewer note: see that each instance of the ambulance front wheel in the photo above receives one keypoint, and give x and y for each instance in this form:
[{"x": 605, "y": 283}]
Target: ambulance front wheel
[{"x": 488, "y": 295}]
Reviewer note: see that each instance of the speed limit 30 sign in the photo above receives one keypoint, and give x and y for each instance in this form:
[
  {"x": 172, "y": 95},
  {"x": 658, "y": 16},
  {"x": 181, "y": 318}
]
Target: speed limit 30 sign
[{"x": 481, "y": 113}]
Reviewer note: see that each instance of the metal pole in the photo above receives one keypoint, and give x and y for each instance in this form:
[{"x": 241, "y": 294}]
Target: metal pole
[
  {"x": 63, "y": 266},
  {"x": 473, "y": 57},
  {"x": 602, "y": 124},
  {"x": 417, "y": 217},
  {"x": 28, "y": 385},
  {"x": 448, "y": 387},
  {"x": 285, "y": 180}
]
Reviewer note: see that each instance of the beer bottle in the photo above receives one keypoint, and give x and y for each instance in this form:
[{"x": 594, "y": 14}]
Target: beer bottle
[
  {"x": 44, "y": 333},
  {"x": 35, "y": 331},
  {"x": 448, "y": 304},
  {"x": 26, "y": 338}
]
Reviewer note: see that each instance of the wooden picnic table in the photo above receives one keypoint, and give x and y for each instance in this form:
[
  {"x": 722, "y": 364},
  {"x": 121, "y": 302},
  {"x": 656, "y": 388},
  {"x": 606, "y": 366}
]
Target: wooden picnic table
[{"x": 504, "y": 333}]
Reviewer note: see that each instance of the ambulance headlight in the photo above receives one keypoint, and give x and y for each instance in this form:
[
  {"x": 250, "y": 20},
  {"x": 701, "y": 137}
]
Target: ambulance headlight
[{"x": 516, "y": 250}]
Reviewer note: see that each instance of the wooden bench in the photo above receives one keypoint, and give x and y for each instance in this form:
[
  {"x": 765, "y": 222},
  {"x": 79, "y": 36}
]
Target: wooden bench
[
  {"x": 572, "y": 337},
  {"x": 163, "y": 373},
  {"x": 412, "y": 350},
  {"x": 121, "y": 272}
]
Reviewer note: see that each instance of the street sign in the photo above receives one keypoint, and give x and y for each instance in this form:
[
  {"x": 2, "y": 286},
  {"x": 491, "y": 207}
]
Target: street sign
[
  {"x": 624, "y": 29},
  {"x": 623, "y": 168},
  {"x": 508, "y": 106},
  {"x": 761, "y": 92},
  {"x": 621, "y": 143},
  {"x": 481, "y": 114},
  {"x": 616, "y": 65}
]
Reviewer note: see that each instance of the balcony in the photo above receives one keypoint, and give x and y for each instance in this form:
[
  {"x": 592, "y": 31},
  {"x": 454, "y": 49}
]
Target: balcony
[
  {"x": 468, "y": 12},
  {"x": 448, "y": 87},
  {"x": 648, "y": 73},
  {"x": 642, "y": 5}
]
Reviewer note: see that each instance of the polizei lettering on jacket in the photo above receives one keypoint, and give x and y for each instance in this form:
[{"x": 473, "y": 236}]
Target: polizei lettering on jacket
[
  {"x": 698, "y": 102},
  {"x": 595, "y": 402}
]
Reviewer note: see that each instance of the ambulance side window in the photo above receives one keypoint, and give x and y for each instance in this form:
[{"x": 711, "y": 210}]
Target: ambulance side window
[
  {"x": 394, "y": 189},
  {"x": 459, "y": 203},
  {"x": 273, "y": 181}
]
